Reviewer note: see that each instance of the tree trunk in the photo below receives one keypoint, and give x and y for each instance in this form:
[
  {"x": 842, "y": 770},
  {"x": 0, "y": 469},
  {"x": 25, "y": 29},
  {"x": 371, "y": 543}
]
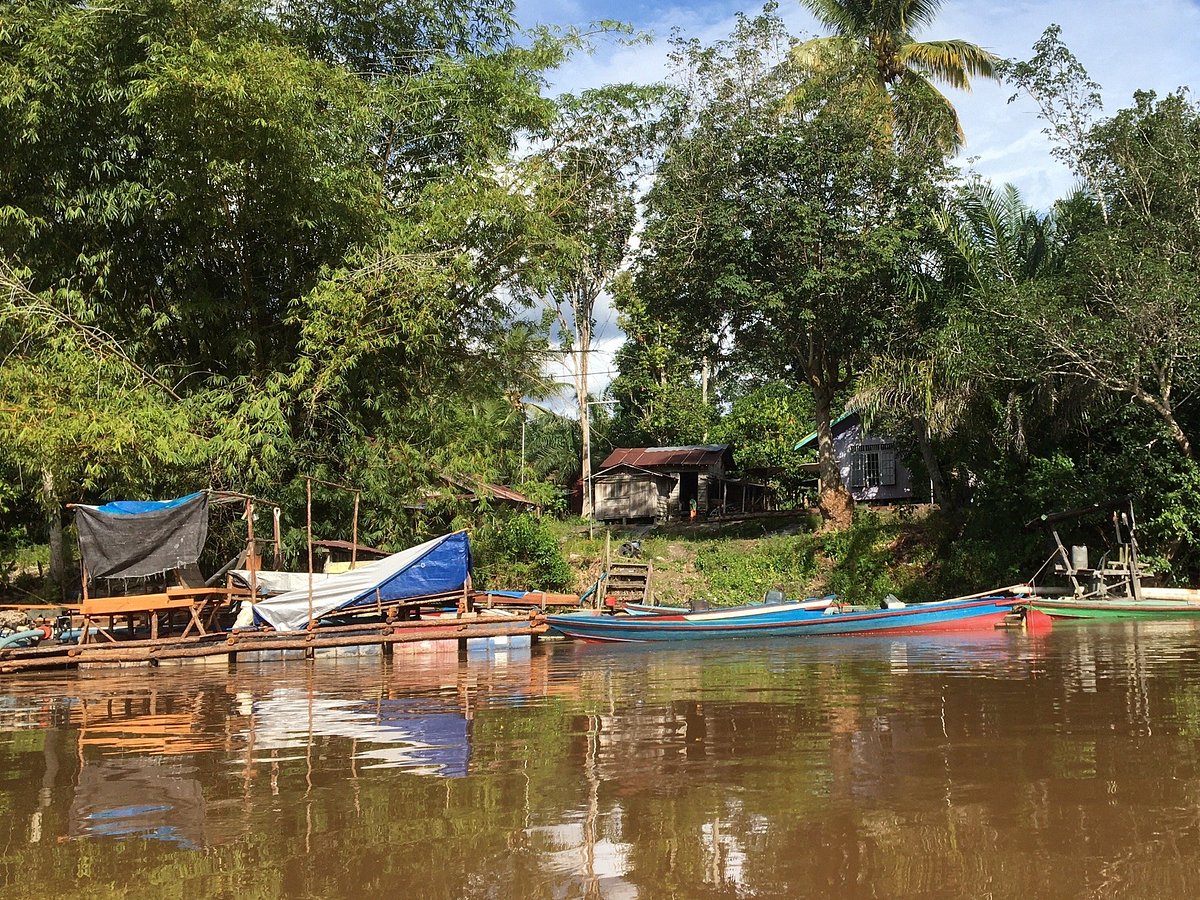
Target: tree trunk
[
  {"x": 937, "y": 483},
  {"x": 583, "y": 334},
  {"x": 586, "y": 435},
  {"x": 836, "y": 504},
  {"x": 1167, "y": 414},
  {"x": 50, "y": 501}
]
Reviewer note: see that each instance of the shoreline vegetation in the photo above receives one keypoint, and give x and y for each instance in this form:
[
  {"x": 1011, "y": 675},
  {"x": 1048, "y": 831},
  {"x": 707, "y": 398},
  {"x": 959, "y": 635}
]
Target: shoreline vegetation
[
  {"x": 258, "y": 246},
  {"x": 911, "y": 552}
]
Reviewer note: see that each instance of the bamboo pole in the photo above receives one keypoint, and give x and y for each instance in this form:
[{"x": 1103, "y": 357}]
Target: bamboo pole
[
  {"x": 225, "y": 640},
  {"x": 252, "y": 549},
  {"x": 308, "y": 490},
  {"x": 354, "y": 535},
  {"x": 460, "y": 632}
]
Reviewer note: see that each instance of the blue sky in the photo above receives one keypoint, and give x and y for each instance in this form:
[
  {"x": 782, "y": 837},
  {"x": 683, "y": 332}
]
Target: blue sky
[{"x": 1124, "y": 44}]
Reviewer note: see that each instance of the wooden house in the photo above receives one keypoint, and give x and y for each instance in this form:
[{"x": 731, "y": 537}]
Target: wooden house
[
  {"x": 870, "y": 466},
  {"x": 659, "y": 483}
]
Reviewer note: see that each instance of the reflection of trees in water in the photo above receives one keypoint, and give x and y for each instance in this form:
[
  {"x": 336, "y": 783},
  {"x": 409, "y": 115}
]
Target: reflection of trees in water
[{"x": 1059, "y": 768}]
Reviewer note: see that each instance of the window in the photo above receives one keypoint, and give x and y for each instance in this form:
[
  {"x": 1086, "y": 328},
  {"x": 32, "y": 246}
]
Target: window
[{"x": 872, "y": 465}]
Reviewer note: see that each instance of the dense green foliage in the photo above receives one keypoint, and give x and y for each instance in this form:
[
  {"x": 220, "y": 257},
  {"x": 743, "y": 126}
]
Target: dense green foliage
[
  {"x": 244, "y": 242},
  {"x": 520, "y": 552}
]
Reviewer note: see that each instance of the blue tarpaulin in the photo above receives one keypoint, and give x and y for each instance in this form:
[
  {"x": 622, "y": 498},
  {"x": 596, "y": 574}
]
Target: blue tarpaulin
[
  {"x": 440, "y": 566},
  {"x": 138, "y": 507}
]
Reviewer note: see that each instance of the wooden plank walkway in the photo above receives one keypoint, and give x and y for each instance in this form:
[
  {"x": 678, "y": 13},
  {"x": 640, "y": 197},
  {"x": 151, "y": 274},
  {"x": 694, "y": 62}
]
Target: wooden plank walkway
[{"x": 233, "y": 644}]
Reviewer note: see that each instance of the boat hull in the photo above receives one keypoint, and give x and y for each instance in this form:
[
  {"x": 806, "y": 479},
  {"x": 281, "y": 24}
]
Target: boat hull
[
  {"x": 951, "y": 615},
  {"x": 1116, "y": 609},
  {"x": 751, "y": 612}
]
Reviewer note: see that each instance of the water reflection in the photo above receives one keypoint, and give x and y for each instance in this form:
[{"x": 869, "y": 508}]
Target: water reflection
[
  {"x": 426, "y": 736},
  {"x": 139, "y": 797},
  {"x": 1001, "y": 764}
]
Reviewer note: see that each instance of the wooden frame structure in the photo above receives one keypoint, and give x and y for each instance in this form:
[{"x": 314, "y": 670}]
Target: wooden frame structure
[
  {"x": 203, "y": 604},
  {"x": 1120, "y": 577}
]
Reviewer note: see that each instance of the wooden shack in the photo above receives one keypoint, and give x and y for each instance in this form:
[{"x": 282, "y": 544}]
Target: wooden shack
[{"x": 659, "y": 483}]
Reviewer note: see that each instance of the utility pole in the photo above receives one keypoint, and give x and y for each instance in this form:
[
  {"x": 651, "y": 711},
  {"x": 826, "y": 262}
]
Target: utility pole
[{"x": 589, "y": 505}]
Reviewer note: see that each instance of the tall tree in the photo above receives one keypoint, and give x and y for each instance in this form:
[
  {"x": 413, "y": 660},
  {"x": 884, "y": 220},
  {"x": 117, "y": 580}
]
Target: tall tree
[
  {"x": 587, "y": 175},
  {"x": 299, "y": 217},
  {"x": 932, "y": 381},
  {"x": 661, "y": 400},
  {"x": 781, "y": 219},
  {"x": 877, "y": 38},
  {"x": 1125, "y": 318}
]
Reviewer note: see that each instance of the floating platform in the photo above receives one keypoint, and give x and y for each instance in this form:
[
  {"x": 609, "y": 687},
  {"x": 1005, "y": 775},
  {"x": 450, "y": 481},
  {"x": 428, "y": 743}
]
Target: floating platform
[{"x": 261, "y": 645}]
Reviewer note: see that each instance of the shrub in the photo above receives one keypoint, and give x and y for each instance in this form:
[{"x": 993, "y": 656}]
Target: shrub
[{"x": 520, "y": 553}]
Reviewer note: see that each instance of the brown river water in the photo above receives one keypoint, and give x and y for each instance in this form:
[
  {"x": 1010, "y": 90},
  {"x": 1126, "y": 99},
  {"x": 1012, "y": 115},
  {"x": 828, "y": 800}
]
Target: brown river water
[{"x": 997, "y": 765}]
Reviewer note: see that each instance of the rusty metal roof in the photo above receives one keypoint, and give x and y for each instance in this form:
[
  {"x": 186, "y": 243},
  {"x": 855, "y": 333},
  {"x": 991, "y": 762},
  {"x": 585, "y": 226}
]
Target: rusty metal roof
[
  {"x": 667, "y": 457},
  {"x": 484, "y": 490}
]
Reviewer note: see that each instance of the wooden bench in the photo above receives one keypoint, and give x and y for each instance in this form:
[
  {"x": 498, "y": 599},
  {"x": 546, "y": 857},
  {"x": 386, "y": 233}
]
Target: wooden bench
[{"x": 202, "y": 604}]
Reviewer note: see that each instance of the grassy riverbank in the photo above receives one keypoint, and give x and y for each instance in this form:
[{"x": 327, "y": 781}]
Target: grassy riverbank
[{"x": 912, "y": 553}]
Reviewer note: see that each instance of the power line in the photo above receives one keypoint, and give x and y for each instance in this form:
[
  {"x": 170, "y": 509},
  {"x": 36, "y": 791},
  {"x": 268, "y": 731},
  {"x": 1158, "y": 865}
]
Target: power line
[{"x": 569, "y": 377}]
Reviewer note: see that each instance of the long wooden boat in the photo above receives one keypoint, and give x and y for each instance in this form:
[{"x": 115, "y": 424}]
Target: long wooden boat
[
  {"x": 785, "y": 620},
  {"x": 1114, "y": 608},
  {"x": 725, "y": 612}
]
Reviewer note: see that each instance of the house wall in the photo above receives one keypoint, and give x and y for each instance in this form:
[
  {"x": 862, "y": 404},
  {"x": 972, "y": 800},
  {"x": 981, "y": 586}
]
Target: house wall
[
  {"x": 629, "y": 495},
  {"x": 844, "y": 445}
]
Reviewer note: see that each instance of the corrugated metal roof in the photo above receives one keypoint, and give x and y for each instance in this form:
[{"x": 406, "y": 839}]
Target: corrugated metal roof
[
  {"x": 666, "y": 457},
  {"x": 501, "y": 492},
  {"x": 476, "y": 490}
]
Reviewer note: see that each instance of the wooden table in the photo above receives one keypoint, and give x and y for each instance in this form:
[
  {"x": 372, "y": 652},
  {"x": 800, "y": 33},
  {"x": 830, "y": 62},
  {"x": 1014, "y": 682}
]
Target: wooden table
[{"x": 202, "y": 605}]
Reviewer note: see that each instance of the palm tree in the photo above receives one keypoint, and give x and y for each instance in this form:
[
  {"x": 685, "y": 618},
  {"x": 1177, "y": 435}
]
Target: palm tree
[
  {"x": 875, "y": 39},
  {"x": 995, "y": 241},
  {"x": 1000, "y": 239}
]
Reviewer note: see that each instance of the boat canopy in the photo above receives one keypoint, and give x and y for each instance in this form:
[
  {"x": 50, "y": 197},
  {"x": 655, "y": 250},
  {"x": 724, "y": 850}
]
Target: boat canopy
[
  {"x": 439, "y": 566},
  {"x": 138, "y": 538}
]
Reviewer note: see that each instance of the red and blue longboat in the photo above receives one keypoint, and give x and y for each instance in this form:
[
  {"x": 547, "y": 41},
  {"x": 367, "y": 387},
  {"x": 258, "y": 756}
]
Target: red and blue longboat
[{"x": 796, "y": 619}]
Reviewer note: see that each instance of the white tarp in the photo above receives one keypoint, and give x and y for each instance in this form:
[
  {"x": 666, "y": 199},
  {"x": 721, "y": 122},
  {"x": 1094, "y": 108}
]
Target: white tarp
[
  {"x": 437, "y": 566},
  {"x": 272, "y": 582}
]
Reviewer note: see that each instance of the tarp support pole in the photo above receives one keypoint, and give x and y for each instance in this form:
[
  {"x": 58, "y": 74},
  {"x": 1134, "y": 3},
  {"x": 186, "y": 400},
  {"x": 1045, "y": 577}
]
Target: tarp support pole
[
  {"x": 252, "y": 555},
  {"x": 308, "y": 492},
  {"x": 354, "y": 534}
]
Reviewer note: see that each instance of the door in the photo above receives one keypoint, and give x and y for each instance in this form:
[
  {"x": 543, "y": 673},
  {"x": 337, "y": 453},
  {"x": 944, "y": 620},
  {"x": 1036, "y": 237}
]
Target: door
[{"x": 689, "y": 492}]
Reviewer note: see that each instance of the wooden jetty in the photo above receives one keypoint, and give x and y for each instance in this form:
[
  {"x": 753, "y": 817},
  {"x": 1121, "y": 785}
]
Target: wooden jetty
[
  {"x": 265, "y": 642},
  {"x": 418, "y": 595}
]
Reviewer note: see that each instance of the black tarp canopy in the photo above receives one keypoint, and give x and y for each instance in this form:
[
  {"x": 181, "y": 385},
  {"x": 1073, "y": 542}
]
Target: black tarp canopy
[{"x": 137, "y": 538}]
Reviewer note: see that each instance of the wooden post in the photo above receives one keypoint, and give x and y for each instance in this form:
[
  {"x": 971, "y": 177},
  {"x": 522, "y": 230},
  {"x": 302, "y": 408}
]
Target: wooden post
[
  {"x": 308, "y": 492},
  {"x": 278, "y": 539},
  {"x": 87, "y": 622},
  {"x": 252, "y": 549},
  {"x": 464, "y": 605},
  {"x": 354, "y": 535}
]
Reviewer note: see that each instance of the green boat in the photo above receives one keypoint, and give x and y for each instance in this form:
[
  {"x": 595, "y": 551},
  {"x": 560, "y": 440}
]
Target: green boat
[
  {"x": 1113, "y": 588},
  {"x": 1114, "y": 608}
]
